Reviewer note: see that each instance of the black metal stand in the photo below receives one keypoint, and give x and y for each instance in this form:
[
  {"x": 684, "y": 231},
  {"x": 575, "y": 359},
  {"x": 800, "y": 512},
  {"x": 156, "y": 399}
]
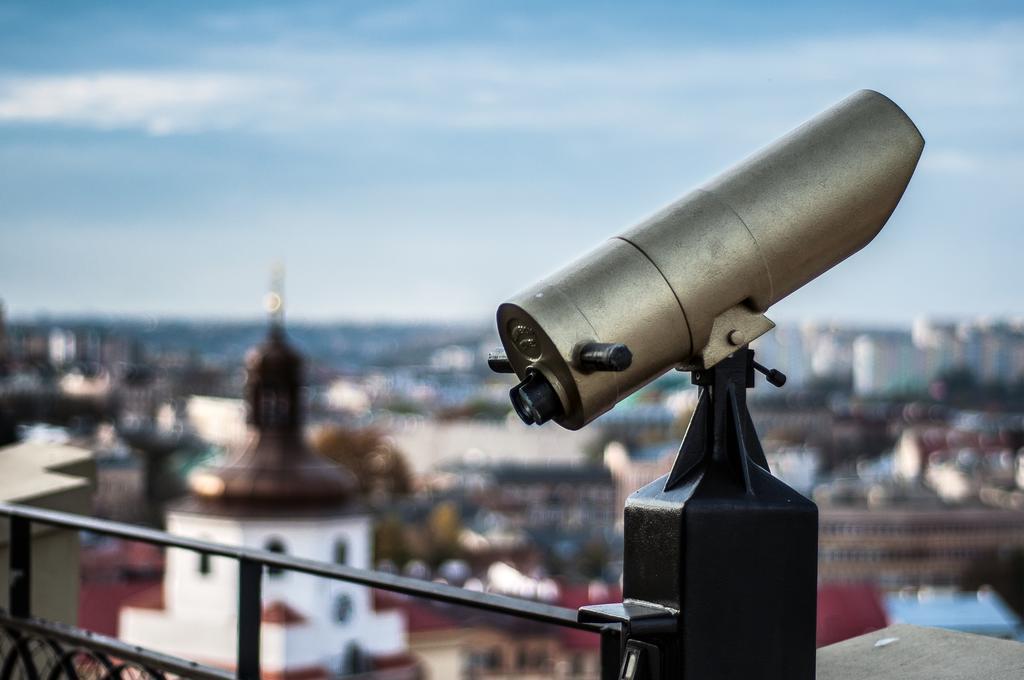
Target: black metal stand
[{"x": 720, "y": 572}]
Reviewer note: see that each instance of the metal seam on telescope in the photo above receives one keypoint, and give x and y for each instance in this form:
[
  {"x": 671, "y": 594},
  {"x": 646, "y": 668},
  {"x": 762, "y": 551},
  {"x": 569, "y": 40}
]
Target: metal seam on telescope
[
  {"x": 757, "y": 245},
  {"x": 589, "y": 323},
  {"x": 667, "y": 283}
]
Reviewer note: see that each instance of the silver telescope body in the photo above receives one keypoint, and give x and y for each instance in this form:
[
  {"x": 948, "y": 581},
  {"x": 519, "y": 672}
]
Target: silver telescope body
[{"x": 690, "y": 285}]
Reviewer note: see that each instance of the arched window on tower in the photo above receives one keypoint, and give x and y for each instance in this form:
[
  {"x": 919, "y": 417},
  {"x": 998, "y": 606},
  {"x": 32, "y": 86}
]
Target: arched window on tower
[
  {"x": 275, "y": 545},
  {"x": 340, "y": 551},
  {"x": 342, "y": 608}
]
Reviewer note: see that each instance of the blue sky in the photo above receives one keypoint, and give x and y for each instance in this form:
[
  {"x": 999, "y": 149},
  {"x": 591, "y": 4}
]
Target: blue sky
[{"x": 426, "y": 160}]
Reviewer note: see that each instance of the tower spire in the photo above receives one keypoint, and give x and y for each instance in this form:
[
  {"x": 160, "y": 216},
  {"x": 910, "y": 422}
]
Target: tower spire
[
  {"x": 275, "y": 468},
  {"x": 274, "y": 300}
]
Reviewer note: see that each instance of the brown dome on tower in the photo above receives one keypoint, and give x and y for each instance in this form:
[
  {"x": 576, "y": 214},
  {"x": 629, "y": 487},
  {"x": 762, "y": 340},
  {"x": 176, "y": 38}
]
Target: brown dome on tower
[{"x": 275, "y": 469}]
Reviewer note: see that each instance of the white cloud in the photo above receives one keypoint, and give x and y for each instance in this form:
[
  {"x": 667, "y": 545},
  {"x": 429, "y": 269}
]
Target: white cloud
[
  {"x": 953, "y": 83},
  {"x": 951, "y": 161},
  {"x": 158, "y": 103}
]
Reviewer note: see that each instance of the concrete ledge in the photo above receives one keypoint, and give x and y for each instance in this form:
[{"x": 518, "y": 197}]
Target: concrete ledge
[
  {"x": 912, "y": 653},
  {"x": 55, "y": 477}
]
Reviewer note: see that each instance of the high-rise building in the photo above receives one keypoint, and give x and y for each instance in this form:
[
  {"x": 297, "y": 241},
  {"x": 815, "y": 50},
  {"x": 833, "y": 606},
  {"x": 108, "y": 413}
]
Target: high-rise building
[
  {"x": 830, "y": 351},
  {"x": 886, "y": 363},
  {"x": 62, "y": 347},
  {"x": 941, "y": 348}
]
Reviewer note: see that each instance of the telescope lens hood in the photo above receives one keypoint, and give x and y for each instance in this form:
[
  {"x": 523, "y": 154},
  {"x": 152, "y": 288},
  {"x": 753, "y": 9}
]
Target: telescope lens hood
[{"x": 535, "y": 400}]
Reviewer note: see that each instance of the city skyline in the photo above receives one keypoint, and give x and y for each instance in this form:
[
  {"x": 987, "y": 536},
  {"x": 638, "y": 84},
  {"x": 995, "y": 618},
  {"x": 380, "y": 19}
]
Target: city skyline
[
  {"x": 425, "y": 161},
  {"x": 256, "y": 315}
]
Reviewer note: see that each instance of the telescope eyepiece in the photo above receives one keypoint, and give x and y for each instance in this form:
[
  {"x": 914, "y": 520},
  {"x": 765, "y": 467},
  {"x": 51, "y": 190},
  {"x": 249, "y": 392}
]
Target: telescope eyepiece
[{"x": 535, "y": 400}]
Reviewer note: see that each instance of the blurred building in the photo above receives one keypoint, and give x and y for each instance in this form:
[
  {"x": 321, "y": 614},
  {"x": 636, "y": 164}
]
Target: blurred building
[
  {"x": 429, "y": 444},
  {"x": 562, "y": 498},
  {"x": 981, "y": 613},
  {"x": 121, "y": 488},
  {"x": 886, "y": 364},
  {"x": 963, "y": 464},
  {"x": 217, "y": 420},
  {"x": 993, "y": 351},
  {"x": 830, "y": 351},
  {"x": 797, "y": 466},
  {"x": 632, "y": 469},
  {"x": 940, "y": 344},
  {"x": 897, "y": 536},
  {"x": 642, "y": 424},
  {"x": 275, "y": 494},
  {"x": 62, "y": 347}
]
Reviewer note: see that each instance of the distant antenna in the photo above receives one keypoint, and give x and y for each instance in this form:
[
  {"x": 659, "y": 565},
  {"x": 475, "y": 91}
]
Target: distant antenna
[{"x": 274, "y": 300}]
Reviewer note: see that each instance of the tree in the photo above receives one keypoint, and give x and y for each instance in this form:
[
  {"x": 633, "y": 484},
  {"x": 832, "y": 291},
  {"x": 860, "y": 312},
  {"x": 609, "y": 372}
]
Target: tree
[
  {"x": 444, "y": 525},
  {"x": 378, "y": 466},
  {"x": 390, "y": 541}
]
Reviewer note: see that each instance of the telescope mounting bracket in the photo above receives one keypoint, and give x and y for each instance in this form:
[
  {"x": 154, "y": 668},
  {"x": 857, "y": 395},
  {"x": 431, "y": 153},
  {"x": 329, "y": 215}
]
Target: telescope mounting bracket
[
  {"x": 732, "y": 329},
  {"x": 717, "y": 535}
]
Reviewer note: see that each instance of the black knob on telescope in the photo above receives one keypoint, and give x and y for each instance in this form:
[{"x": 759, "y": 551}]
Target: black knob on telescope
[
  {"x": 774, "y": 376},
  {"x": 535, "y": 400},
  {"x": 605, "y": 356}
]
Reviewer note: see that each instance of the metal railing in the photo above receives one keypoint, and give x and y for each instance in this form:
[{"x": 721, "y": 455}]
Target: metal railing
[{"x": 68, "y": 652}]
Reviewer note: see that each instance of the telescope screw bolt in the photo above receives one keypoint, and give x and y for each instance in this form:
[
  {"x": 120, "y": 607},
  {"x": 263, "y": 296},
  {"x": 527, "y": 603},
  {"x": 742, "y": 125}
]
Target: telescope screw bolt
[{"x": 737, "y": 338}]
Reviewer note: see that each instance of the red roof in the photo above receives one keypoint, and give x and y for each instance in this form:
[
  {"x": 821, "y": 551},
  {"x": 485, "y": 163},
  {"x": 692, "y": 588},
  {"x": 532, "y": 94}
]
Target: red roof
[
  {"x": 393, "y": 661},
  {"x": 420, "y": 615},
  {"x": 100, "y": 603},
  {"x": 846, "y": 611},
  {"x": 150, "y": 598},
  {"x": 280, "y": 613}
]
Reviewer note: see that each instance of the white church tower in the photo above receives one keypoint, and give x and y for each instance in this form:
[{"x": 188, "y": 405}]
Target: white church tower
[{"x": 275, "y": 494}]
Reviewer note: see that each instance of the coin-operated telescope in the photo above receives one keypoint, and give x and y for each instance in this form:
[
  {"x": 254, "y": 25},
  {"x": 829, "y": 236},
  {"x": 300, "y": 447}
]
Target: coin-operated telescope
[
  {"x": 691, "y": 285},
  {"x": 720, "y": 557}
]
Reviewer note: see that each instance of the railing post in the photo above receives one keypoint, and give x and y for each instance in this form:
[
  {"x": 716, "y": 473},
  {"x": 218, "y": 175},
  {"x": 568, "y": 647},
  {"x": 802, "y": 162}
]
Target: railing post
[
  {"x": 250, "y": 581},
  {"x": 20, "y": 567},
  {"x": 611, "y": 651}
]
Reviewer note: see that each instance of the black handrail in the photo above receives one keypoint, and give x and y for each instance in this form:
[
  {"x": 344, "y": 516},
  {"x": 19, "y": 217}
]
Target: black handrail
[
  {"x": 71, "y": 638},
  {"x": 251, "y": 564},
  {"x": 502, "y": 604}
]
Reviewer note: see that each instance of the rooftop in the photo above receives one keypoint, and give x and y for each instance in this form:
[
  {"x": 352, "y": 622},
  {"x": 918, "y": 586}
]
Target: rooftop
[
  {"x": 983, "y": 612},
  {"x": 37, "y": 473},
  {"x": 907, "y": 652}
]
